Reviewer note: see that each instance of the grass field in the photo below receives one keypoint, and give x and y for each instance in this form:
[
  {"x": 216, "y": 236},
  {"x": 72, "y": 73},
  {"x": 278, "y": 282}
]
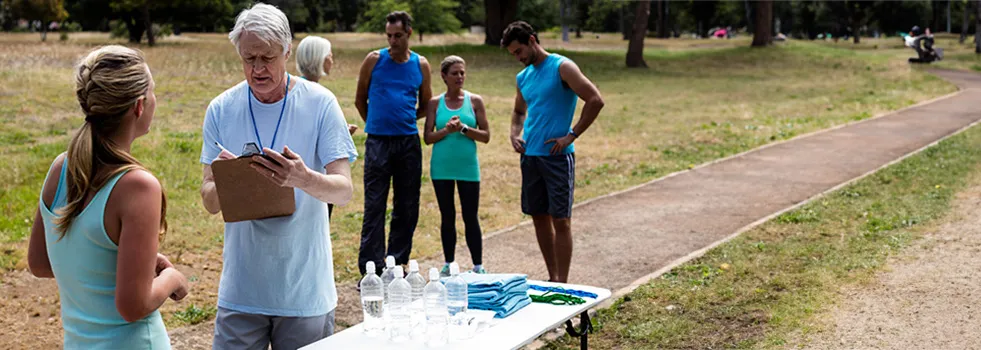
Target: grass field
[
  {"x": 761, "y": 289},
  {"x": 701, "y": 100},
  {"x": 767, "y": 287}
]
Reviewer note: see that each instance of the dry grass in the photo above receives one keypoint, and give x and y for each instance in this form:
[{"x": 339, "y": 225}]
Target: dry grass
[{"x": 701, "y": 100}]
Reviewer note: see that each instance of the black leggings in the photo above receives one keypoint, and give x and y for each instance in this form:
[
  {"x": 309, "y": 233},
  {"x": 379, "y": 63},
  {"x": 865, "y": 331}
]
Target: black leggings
[{"x": 469, "y": 201}]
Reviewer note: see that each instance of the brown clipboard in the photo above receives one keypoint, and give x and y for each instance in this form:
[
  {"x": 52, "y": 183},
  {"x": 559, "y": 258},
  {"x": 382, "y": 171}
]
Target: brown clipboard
[{"x": 244, "y": 194}]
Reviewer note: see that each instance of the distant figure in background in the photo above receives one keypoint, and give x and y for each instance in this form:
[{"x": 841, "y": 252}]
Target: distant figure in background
[{"x": 314, "y": 60}]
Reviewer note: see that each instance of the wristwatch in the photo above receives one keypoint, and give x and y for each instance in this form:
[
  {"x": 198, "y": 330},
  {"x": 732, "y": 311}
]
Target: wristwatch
[{"x": 464, "y": 130}]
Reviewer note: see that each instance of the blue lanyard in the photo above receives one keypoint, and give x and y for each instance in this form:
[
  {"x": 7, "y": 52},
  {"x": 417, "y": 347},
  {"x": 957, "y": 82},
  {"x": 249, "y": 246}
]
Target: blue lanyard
[{"x": 256, "y": 127}]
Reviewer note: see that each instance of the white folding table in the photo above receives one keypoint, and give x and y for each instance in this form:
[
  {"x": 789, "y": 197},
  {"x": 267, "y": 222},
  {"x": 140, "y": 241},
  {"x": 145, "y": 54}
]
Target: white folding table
[{"x": 512, "y": 332}]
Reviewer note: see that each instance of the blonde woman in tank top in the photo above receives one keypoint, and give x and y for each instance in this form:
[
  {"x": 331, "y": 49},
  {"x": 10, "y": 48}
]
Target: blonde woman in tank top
[
  {"x": 461, "y": 121},
  {"x": 101, "y": 214}
]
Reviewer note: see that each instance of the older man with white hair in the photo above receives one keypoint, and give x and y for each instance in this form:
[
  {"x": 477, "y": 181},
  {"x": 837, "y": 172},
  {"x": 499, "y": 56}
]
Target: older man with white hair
[{"x": 277, "y": 282}]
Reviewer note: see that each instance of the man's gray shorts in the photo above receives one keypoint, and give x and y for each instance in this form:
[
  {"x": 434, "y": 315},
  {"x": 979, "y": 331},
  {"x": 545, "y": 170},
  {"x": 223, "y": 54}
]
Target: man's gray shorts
[{"x": 236, "y": 330}]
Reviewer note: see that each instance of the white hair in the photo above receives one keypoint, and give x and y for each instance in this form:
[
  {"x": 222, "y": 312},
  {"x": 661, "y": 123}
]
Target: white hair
[
  {"x": 310, "y": 56},
  {"x": 265, "y": 21}
]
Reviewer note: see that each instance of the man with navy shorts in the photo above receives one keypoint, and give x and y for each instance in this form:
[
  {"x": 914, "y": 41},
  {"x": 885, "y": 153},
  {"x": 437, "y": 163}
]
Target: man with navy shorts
[{"x": 548, "y": 89}]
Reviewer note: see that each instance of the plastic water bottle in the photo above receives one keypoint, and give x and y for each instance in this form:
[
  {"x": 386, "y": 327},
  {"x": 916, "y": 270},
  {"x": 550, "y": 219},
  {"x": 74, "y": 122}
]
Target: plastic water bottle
[
  {"x": 372, "y": 300},
  {"x": 434, "y": 297},
  {"x": 418, "y": 283},
  {"x": 400, "y": 296},
  {"x": 387, "y": 275},
  {"x": 456, "y": 302}
]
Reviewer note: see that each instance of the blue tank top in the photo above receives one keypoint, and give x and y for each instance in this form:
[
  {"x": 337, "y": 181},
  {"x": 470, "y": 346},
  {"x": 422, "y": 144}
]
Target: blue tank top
[
  {"x": 84, "y": 265},
  {"x": 392, "y": 96},
  {"x": 551, "y": 105}
]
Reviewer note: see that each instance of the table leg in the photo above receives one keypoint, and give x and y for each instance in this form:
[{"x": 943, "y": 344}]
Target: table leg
[{"x": 585, "y": 327}]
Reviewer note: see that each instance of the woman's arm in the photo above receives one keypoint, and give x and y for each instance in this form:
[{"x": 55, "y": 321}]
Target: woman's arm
[
  {"x": 139, "y": 288},
  {"x": 481, "y": 134}
]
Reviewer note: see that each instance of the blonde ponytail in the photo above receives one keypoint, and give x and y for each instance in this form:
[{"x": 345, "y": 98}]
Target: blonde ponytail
[{"x": 108, "y": 82}]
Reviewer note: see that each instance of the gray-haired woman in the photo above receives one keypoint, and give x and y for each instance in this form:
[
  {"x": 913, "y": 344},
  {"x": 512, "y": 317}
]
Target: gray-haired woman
[{"x": 314, "y": 60}]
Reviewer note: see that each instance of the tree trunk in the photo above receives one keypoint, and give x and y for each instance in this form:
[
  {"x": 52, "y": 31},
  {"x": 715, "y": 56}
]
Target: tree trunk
[
  {"x": 149, "y": 24},
  {"x": 499, "y": 13},
  {"x": 44, "y": 32},
  {"x": 562, "y": 20},
  {"x": 624, "y": 29},
  {"x": 948, "y": 15},
  {"x": 135, "y": 28},
  {"x": 964, "y": 21},
  {"x": 579, "y": 32},
  {"x": 977, "y": 26},
  {"x": 635, "y": 51},
  {"x": 662, "y": 27},
  {"x": 420, "y": 36},
  {"x": 856, "y": 24},
  {"x": 762, "y": 35},
  {"x": 749, "y": 15}
]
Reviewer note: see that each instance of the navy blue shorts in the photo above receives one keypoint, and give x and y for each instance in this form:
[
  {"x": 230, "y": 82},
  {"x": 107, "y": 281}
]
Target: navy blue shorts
[{"x": 547, "y": 185}]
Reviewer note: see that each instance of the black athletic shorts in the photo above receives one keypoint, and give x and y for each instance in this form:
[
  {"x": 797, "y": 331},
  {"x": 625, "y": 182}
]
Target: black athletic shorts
[{"x": 547, "y": 185}]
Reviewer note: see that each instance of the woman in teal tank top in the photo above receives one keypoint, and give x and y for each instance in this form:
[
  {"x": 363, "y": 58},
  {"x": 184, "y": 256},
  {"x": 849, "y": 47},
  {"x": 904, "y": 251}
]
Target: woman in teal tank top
[
  {"x": 101, "y": 215},
  {"x": 462, "y": 121}
]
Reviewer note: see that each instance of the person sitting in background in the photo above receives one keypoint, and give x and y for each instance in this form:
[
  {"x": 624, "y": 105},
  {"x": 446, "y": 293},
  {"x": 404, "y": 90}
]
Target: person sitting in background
[{"x": 102, "y": 214}]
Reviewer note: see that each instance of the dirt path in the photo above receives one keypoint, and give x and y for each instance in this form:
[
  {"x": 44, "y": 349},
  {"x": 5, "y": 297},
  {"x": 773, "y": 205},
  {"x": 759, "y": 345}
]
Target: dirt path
[
  {"x": 926, "y": 299},
  {"x": 623, "y": 238}
]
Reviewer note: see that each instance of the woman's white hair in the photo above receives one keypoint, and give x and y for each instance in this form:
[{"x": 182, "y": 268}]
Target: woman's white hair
[
  {"x": 310, "y": 56},
  {"x": 265, "y": 21}
]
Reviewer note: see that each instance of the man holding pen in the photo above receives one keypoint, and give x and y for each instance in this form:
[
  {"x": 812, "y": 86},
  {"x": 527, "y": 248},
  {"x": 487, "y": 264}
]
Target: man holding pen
[{"x": 277, "y": 282}]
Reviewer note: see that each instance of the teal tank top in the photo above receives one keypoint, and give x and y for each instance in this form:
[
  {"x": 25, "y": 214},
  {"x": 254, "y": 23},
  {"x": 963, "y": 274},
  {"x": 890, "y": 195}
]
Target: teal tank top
[
  {"x": 455, "y": 156},
  {"x": 84, "y": 265},
  {"x": 551, "y": 105}
]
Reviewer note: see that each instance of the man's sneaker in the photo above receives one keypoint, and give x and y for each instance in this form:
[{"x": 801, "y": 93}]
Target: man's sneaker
[
  {"x": 479, "y": 270},
  {"x": 445, "y": 272}
]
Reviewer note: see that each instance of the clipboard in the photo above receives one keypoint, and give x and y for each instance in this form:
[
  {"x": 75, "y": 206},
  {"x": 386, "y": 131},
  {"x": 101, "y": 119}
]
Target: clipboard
[{"x": 244, "y": 194}]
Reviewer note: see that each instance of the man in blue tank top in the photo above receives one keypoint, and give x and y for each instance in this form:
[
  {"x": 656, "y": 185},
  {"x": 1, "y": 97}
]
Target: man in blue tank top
[
  {"x": 548, "y": 89},
  {"x": 393, "y": 89}
]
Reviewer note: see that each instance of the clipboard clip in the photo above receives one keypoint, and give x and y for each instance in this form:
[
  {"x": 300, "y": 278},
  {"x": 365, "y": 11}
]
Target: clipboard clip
[{"x": 250, "y": 149}]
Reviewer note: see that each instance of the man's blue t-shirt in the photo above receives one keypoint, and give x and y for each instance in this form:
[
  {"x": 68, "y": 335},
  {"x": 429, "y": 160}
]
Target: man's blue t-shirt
[{"x": 280, "y": 266}]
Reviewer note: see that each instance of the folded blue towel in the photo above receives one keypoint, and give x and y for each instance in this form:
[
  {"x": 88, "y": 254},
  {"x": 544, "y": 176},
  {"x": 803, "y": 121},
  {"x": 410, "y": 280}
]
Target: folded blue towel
[
  {"x": 501, "y": 293},
  {"x": 496, "y": 297},
  {"x": 521, "y": 288},
  {"x": 489, "y": 282},
  {"x": 505, "y": 309}
]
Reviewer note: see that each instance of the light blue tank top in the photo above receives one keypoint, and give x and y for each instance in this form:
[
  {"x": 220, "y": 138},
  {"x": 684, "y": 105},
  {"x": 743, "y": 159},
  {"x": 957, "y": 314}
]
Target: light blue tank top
[
  {"x": 84, "y": 265},
  {"x": 551, "y": 105},
  {"x": 393, "y": 95}
]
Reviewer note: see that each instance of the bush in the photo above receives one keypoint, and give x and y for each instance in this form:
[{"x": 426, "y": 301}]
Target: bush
[
  {"x": 326, "y": 27},
  {"x": 162, "y": 30},
  {"x": 117, "y": 29}
]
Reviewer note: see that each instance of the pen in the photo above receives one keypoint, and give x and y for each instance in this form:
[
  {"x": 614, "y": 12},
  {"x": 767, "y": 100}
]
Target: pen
[{"x": 223, "y": 147}]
